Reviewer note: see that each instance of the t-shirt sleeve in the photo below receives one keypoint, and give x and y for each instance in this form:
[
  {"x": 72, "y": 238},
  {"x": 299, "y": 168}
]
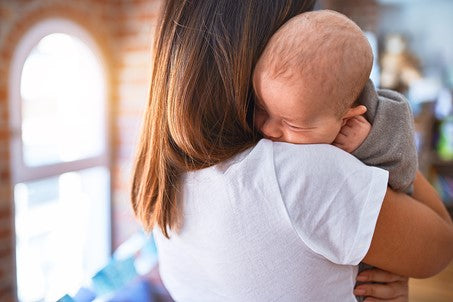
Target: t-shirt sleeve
[{"x": 332, "y": 199}]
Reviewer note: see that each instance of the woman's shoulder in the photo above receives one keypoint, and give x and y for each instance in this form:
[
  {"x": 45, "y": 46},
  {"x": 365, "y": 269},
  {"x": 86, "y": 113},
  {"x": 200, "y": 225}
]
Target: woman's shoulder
[
  {"x": 283, "y": 149},
  {"x": 266, "y": 150},
  {"x": 310, "y": 150},
  {"x": 312, "y": 154},
  {"x": 267, "y": 155}
]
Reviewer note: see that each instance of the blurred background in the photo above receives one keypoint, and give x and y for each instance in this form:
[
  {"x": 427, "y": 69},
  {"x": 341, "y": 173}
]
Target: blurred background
[{"x": 74, "y": 80}]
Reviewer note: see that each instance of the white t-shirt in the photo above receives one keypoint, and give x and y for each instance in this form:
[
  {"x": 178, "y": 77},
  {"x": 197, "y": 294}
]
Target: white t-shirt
[{"x": 278, "y": 222}]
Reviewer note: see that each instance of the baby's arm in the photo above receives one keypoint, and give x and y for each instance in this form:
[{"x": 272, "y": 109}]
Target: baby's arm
[
  {"x": 352, "y": 134},
  {"x": 390, "y": 143}
]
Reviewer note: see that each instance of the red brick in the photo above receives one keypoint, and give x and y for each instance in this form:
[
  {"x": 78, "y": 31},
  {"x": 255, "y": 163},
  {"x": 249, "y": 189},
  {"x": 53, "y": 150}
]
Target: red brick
[
  {"x": 6, "y": 252},
  {"x": 7, "y": 293},
  {"x": 3, "y": 92},
  {"x": 5, "y": 233},
  {"x": 5, "y": 211},
  {"x": 5, "y": 176}
]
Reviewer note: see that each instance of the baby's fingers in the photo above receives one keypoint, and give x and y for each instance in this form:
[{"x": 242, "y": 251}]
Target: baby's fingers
[
  {"x": 346, "y": 130},
  {"x": 357, "y": 122},
  {"x": 340, "y": 139},
  {"x": 361, "y": 119}
]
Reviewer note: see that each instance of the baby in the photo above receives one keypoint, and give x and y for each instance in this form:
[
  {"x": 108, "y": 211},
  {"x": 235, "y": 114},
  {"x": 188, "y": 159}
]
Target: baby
[{"x": 312, "y": 87}]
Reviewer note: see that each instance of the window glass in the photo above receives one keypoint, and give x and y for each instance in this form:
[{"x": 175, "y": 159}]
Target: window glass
[
  {"x": 62, "y": 226},
  {"x": 62, "y": 95},
  {"x": 60, "y": 172}
]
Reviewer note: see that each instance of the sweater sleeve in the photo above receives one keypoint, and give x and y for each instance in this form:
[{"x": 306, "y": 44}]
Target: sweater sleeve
[{"x": 391, "y": 142}]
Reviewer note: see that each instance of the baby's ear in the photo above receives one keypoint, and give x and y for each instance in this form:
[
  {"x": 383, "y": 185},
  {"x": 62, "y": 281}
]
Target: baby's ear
[{"x": 354, "y": 111}]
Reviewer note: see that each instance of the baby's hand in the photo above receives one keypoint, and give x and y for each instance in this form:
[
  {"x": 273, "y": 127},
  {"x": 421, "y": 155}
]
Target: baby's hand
[{"x": 352, "y": 134}]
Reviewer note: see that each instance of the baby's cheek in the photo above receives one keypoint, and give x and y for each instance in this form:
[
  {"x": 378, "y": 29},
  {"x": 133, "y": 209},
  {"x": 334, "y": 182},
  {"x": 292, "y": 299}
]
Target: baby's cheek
[
  {"x": 314, "y": 137},
  {"x": 299, "y": 138}
]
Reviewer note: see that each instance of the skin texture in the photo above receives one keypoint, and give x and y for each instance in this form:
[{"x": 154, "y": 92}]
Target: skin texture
[{"x": 302, "y": 114}]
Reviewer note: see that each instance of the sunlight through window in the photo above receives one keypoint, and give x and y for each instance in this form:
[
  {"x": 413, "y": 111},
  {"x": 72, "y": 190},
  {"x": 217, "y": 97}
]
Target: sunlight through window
[
  {"x": 61, "y": 174},
  {"x": 61, "y": 85}
]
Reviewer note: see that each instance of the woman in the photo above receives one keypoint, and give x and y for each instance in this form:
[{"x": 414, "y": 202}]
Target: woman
[{"x": 242, "y": 219}]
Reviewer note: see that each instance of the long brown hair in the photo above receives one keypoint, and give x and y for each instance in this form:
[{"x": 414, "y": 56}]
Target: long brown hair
[{"x": 201, "y": 100}]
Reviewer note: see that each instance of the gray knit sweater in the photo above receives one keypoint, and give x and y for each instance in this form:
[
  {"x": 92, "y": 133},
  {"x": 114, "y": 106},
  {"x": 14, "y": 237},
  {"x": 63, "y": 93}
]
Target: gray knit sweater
[{"x": 390, "y": 144}]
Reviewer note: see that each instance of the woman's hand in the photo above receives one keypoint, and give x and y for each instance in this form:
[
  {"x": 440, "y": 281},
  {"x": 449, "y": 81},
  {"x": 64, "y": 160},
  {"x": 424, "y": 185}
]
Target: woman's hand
[{"x": 390, "y": 287}]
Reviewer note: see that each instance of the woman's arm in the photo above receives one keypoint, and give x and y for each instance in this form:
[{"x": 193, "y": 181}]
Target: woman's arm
[
  {"x": 413, "y": 236},
  {"x": 426, "y": 194}
]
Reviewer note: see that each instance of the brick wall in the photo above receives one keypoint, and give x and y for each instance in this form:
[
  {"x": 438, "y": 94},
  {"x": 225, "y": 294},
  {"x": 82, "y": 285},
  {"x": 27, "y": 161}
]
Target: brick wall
[
  {"x": 134, "y": 67},
  {"x": 123, "y": 30}
]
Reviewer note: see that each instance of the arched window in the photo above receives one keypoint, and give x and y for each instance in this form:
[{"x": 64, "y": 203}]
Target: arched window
[{"x": 59, "y": 159}]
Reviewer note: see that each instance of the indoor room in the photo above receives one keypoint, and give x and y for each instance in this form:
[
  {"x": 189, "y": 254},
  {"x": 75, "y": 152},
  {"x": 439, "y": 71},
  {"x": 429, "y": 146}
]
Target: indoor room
[{"x": 100, "y": 101}]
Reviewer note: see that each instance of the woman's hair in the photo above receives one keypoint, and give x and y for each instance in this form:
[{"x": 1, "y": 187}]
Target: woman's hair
[{"x": 200, "y": 106}]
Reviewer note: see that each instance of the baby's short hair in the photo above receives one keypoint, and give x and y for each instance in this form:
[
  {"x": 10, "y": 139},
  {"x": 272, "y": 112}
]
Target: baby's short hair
[{"x": 325, "y": 47}]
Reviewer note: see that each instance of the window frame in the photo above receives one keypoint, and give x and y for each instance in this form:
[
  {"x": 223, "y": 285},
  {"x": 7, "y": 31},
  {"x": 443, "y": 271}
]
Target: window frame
[{"x": 19, "y": 171}]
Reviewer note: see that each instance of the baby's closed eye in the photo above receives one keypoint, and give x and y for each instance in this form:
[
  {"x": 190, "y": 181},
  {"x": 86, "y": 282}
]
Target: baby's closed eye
[{"x": 297, "y": 127}]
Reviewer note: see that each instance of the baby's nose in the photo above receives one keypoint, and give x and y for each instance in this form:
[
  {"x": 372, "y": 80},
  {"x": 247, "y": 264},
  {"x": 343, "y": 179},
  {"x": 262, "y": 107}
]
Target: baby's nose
[{"x": 271, "y": 130}]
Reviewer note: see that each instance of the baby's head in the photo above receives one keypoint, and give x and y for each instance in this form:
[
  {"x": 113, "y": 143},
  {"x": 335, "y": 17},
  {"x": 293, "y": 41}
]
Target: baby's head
[{"x": 309, "y": 76}]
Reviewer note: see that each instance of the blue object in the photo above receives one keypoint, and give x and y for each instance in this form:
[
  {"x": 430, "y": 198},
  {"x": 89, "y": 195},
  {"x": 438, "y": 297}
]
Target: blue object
[
  {"x": 136, "y": 291},
  {"x": 115, "y": 275},
  {"x": 65, "y": 298},
  {"x": 84, "y": 295}
]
